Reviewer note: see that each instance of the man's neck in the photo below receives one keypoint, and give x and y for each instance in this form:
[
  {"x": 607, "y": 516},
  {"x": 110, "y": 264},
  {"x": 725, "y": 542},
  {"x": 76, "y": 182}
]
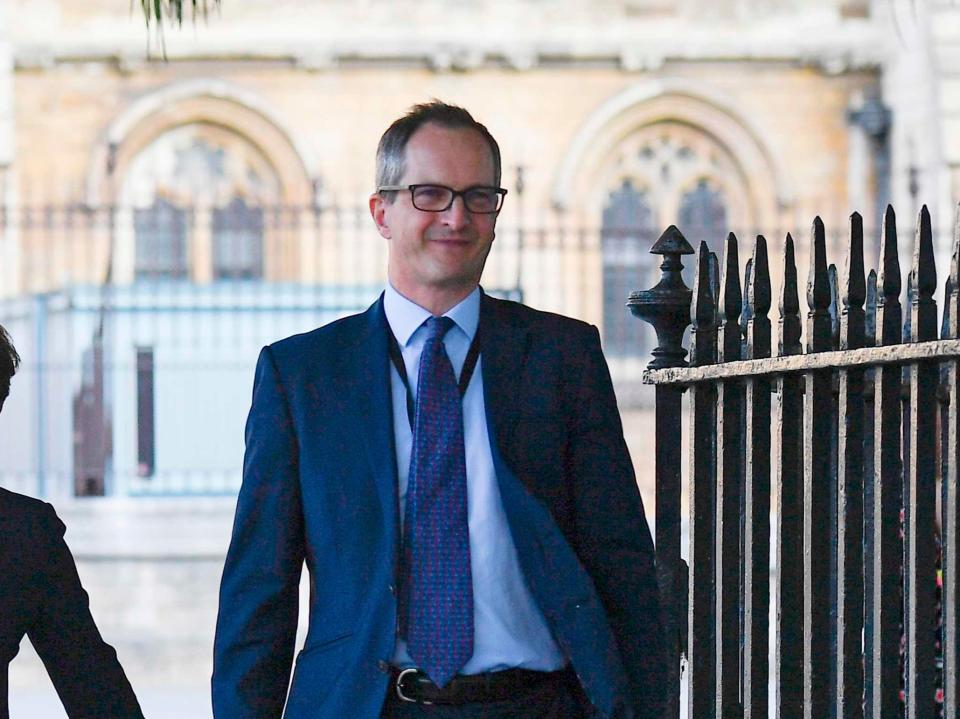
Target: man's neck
[{"x": 435, "y": 301}]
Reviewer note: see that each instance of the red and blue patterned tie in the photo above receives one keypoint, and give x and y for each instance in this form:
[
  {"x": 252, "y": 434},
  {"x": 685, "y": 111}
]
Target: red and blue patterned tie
[{"x": 438, "y": 585}]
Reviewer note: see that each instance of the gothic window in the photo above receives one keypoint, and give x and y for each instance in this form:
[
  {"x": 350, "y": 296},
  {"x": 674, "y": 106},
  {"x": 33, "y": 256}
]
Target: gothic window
[
  {"x": 161, "y": 241},
  {"x": 221, "y": 182},
  {"x": 669, "y": 171},
  {"x": 238, "y": 241},
  {"x": 703, "y": 217},
  {"x": 626, "y": 236}
]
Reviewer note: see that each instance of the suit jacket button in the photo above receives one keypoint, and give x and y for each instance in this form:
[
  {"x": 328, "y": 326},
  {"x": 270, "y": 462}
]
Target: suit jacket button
[
  {"x": 383, "y": 666},
  {"x": 393, "y": 589}
]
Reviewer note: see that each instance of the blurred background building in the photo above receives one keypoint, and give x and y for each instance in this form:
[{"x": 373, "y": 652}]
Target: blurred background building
[{"x": 163, "y": 218}]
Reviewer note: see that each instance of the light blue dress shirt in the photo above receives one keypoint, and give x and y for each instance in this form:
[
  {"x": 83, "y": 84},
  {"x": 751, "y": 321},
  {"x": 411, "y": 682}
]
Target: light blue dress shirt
[{"x": 509, "y": 629}]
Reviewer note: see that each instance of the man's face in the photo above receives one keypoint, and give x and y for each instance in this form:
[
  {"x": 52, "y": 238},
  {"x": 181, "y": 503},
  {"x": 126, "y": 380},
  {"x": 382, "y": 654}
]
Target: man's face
[{"x": 438, "y": 254}]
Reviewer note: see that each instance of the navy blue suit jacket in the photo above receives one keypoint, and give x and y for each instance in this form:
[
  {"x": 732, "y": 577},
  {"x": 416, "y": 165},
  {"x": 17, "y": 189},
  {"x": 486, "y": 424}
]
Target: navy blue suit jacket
[{"x": 320, "y": 486}]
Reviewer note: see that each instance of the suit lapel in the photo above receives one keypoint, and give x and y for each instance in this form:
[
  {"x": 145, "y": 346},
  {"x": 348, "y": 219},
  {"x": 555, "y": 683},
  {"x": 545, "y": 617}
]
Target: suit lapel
[
  {"x": 370, "y": 382},
  {"x": 503, "y": 351}
]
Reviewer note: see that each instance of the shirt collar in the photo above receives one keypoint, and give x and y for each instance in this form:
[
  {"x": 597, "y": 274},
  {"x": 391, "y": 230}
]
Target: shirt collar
[{"x": 405, "y": 316}]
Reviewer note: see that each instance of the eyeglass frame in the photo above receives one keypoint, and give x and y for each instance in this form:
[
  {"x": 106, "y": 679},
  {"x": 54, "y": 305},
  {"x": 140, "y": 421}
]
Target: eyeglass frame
[{"x": 502, "y": 192}]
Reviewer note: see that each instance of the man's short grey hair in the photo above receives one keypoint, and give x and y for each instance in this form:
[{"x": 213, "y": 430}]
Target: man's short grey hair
[
  {"x": 9, "y": 361},
  {"x": 391, "y": 152}
]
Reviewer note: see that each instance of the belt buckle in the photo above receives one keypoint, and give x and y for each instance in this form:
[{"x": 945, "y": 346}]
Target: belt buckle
[{"x": 398, "y": 686}]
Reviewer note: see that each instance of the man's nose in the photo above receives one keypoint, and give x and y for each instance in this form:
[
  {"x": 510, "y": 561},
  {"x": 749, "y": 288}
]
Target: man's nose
[{"x": 457, "y": 215}]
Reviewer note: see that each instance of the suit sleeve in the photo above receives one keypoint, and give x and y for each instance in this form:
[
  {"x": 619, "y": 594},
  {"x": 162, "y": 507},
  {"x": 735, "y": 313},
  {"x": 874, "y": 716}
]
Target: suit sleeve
[
  {"x": 84, "y": 669},
  {"x": 257, "y": 621},
  {"x": 613, "y": 537}
]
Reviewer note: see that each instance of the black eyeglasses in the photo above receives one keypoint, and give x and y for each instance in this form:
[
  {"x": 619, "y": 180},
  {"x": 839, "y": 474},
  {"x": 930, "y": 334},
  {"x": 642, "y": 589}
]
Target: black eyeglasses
[{"x": 479, "y": 199}]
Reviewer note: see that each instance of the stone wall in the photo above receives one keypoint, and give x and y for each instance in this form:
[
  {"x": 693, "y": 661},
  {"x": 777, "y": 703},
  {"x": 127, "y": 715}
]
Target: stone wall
[{"x": 785, "y": 124}]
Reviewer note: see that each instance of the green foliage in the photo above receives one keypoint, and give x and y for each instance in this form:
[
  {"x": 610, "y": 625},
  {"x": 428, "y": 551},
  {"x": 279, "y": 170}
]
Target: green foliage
[{"x": 156, "y": 11}]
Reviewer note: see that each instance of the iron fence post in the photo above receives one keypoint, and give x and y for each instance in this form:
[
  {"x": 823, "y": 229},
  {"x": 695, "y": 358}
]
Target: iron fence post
[{"x": 666, "y": 306}]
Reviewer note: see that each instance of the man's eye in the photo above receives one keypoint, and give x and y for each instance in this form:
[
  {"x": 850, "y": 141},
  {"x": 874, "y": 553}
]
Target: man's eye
[
  {"x": 430, "y": 193},
  {"x": 482, "y": 198}
]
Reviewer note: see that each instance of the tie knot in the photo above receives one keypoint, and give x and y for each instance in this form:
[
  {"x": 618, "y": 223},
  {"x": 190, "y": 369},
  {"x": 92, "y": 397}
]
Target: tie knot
[{"x": 437, "y": 327}]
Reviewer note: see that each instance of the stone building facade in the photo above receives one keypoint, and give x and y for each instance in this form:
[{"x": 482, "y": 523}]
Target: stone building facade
[{"x": 226, "y": 175}]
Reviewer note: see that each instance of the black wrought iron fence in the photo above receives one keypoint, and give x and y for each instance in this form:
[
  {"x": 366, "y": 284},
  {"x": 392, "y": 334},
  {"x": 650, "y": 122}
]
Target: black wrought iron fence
[{"x": 856, "y": 503}]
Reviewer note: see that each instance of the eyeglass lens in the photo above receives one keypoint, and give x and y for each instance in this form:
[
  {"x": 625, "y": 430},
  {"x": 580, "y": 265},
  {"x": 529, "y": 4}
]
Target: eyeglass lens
[{"x": 437, "y": 198}]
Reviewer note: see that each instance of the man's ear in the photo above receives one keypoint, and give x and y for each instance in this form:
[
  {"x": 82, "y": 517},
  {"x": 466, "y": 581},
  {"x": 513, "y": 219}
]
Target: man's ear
[{"x": 378, "y": 211}]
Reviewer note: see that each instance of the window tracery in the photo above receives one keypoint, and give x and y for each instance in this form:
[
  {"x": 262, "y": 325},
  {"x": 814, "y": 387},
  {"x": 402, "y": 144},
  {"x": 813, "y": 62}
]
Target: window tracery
[
  {"x": 197, "y": 193},
  {"x": 687, "y": 179}
]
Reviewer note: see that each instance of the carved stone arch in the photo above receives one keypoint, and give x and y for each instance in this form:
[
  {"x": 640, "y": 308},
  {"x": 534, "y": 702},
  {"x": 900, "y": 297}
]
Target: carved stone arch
[
  {"x": 668, "y": 158},
  {"x": 209, "y": 109},
  {"x": 678, "y": 103},
  {"x": 201, "y": 101}
]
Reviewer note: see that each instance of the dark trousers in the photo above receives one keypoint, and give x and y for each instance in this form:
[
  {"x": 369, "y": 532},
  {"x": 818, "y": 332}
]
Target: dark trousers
[{"x": 552, "y": 700}]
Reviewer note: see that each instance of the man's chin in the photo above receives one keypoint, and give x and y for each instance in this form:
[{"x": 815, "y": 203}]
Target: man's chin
[{"x": 452, "y": 283}]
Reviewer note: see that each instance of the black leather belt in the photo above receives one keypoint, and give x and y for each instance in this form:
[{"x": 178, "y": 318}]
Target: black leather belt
[{"x": 412, "y": 685}]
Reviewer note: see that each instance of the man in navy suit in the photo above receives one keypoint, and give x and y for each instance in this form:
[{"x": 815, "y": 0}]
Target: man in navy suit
[
  {"x": 41, "y": 597},
  {"x": 452, "y": 469}
]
